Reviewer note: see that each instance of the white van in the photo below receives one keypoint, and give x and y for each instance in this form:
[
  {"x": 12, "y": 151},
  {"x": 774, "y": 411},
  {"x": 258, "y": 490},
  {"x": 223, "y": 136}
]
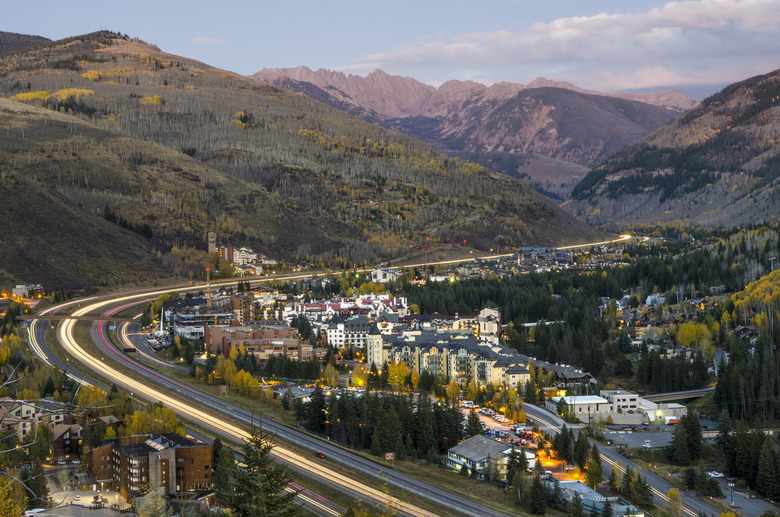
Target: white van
[{"x": 467, "y": 404}]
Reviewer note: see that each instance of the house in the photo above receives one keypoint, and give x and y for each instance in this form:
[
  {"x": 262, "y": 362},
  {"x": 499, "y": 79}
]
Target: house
[
  {"x": 382, "y": 275},
  {"x": 18, "y": 416},
  {"x": 593, "y": 501},
  {"x": 65, "y": 441},
  {"x": 171, "y": 463},
  {"x": 476, "y": 454}
]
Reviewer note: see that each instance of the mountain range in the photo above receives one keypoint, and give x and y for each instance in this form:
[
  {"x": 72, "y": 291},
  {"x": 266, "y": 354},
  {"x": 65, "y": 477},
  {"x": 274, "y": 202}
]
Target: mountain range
[
  {"x": 718, "y": 164},
  {"x": 118, "y": 158},
  {"x": 549, "y": 133}
]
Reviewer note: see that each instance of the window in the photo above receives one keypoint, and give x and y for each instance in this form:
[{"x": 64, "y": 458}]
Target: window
[{"x": 206, "y": 467}]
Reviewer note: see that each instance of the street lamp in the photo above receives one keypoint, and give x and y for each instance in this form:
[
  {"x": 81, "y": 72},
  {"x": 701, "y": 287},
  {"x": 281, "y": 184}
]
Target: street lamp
[{"x": 731, "y": 488}]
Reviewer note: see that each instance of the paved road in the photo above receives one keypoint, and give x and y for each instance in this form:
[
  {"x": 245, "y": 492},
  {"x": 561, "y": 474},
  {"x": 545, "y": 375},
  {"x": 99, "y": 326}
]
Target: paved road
[
  {"x": 692, "y": 506},
  {"x": 308, "y": 499},
  {"x": 386, "y": 474}
]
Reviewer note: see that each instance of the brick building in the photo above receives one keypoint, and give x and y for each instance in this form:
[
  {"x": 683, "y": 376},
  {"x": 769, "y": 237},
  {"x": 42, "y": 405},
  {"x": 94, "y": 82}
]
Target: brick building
[{"x": 169, "y": 462}]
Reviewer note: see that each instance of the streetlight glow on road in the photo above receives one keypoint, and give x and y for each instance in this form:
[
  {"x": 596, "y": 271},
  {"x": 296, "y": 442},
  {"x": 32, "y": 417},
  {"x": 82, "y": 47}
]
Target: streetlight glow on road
[{"x": 68, "y": 342}]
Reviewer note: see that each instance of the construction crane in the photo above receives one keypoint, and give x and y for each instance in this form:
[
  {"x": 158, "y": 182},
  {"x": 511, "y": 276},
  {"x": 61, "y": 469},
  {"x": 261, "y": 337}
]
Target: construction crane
[{"x": 428, "y": 245}]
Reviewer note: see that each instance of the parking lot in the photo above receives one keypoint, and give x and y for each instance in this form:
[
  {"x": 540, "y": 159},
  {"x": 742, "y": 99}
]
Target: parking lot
[{"x": 636, "y": 438}]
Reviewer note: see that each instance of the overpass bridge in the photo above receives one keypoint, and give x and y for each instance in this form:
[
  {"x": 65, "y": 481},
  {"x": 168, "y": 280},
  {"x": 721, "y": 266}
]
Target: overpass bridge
[{"x": 678, "y": 395}]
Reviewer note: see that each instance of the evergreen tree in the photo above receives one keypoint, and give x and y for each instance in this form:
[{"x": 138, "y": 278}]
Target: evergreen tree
[
  {"x": 607, "y": 510},
  {"x": 627, "y": 484},
  {"x": 512, "y": 463},
  {"x": 768, "y": 479},
  {"x": 315, "y": 412},
  {"x": 258, "y": 487},
  {"x": 614, "y": 479},
  {"x": 689, "y": 478},
  {"x": 643, "y": 494},
  {"x": 595, "y": 474},
  {"x": 522, "y": 463},
  {"x": 538, "y": 496},
  {"x": 576, "y": 508},
  {"x": 473, "y": 424},
  {"x": 556, "y": 499},
  {"x": 581, "y": 451},
  {"x": 678, "y": 451},
  {"x": 691, "y": 429}
]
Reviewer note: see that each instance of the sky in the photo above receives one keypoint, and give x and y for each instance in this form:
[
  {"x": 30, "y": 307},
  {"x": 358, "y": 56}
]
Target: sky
[{"x": 695, "y": 46}]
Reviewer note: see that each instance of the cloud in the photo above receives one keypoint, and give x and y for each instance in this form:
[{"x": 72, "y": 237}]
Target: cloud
[
  {"x": 208, "y": 41},
  {"x": 695, "y": 40}
]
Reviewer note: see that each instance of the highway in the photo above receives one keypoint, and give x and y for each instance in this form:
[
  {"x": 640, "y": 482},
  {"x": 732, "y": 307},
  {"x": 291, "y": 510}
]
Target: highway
[
  {"x": 139, "y": 384},
  {"x": 691, "y": 505},
  {"x": 295, "y": 459}
]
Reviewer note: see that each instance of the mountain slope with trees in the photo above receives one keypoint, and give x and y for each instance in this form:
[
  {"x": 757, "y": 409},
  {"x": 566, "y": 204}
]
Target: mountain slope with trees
[
  {"x": 171, "y": 148},
  {"x": 546, "y": 132},
  {"x": 716, "y": 165}
]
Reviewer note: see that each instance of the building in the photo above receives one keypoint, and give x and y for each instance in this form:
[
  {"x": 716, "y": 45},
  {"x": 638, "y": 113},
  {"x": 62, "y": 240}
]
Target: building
[
  {"x": 593, "y": 501},
  {"x": 459, "y": 355},
  {"x": 18, "y": 416},
  {"x": 621, "y": 401},
  {"x": 28, "y": 291},
  {"x": 169, "y": 462},
  {"x": 584, "y": 407},
  {"x": 382, "y": 276},
  {"x": 66, "y": 441},
  {"x": 476, "y": 454},
  {"x": 344, "y": 333},
  {"x": 212, "y": 240},
  {"x": 261, "y": 341},
  {"x": 189, "y": 316}
]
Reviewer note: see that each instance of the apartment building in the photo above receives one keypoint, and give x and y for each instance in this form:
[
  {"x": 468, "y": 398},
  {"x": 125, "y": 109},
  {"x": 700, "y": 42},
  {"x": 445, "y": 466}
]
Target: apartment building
[{"x": 168, "y": 462}]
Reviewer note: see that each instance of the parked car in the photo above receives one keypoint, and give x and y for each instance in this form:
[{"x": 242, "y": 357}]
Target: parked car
[
  {"x": 319, "y": 455},
  {"x": 647, "y": 445},
  {"x": 77, "y": 497},
  {"x": 715, "y": 474}
]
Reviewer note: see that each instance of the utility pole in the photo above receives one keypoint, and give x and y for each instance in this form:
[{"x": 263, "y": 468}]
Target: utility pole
[{"x": 208, "y": 288}]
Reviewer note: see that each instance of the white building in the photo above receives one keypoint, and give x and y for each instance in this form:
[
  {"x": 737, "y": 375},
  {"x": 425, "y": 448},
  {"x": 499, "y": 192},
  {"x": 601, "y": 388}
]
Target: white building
[
  {"x": 584, "y": 407},
  {"x": 381, "y": 275}
]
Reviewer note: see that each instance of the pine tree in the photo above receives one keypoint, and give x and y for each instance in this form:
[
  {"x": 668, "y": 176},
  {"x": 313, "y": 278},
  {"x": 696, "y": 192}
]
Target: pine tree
[
  {"x": 594, "y": 475},
  {"x": 473, "y": 424},
  {"x": 643, "y": 494},
  {"x": 607, "y": 510},
  {"x": 581, "y": 451},
  {"x": 678, "y": 451},
  {"x": 537, "y": 496},
  {"x": 576, "y": 508},
  {"x": 627, "y": 484},
  {"x": 258, "y": 486},
  {"x": 767, "y": 482},
  {"x": 692, "y": 432}
]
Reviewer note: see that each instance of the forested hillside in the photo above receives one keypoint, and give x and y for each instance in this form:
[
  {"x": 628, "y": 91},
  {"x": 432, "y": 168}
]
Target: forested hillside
[
  {"x": 716, "y": 164},
  {"x": 262, "y": 166},
  {"x": 10, "y": 41},
  {"x": 545, "y": 132}
]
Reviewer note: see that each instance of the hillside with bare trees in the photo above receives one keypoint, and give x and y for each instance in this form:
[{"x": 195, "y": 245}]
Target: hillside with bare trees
[{"x": 176, "y": 148}]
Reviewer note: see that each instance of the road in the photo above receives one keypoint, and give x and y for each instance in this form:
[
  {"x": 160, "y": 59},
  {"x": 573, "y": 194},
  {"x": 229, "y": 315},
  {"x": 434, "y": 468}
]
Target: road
[
  {"x": 691, "y": 505},
  {"x": 295, "y": 459}
]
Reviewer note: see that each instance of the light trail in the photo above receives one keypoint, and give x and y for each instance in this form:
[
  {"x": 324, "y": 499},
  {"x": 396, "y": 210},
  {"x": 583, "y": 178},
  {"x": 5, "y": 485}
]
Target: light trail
[{"x": 65, "y": 336}]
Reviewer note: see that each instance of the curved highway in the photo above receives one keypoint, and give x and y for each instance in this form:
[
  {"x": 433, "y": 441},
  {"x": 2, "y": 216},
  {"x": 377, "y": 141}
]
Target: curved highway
[{"x": 313, "y": 467}]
